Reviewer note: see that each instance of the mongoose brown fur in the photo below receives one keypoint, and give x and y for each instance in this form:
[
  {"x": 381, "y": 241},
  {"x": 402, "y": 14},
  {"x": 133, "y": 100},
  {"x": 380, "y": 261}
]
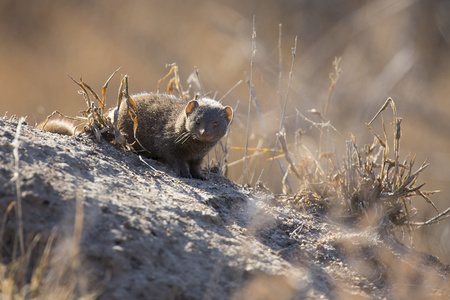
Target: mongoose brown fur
[
  {"x": 60, "y": 126},
  {"x": 179, "y": 133},
  {"x": 169, "y": 129}
]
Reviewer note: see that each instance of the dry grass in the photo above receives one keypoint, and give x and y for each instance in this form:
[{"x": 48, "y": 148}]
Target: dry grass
[
  {"x": 55, "y": 275},
  {"x": 94, "y": 120},
  {"x": 369, "y": 186}
]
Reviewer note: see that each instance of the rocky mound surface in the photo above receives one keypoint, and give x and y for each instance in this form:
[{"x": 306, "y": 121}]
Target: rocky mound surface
[{"x": 114, "y": 228}]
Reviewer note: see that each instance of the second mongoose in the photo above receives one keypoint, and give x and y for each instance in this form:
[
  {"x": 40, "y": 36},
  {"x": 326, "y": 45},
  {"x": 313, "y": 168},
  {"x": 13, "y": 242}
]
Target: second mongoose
[{"x": 179, "y": 133}]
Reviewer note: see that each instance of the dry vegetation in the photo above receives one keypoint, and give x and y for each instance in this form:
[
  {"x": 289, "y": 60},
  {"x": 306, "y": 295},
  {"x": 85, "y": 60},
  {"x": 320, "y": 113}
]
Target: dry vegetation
[{"x": 368, "y": 186}]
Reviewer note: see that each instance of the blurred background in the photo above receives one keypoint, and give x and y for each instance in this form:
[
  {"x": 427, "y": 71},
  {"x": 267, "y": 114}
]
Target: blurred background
[{"x": 389, "y": 48}]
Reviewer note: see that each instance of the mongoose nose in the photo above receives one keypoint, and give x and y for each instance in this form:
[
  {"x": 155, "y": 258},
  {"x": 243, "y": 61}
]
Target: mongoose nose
[{"x": 204, "y": 134}]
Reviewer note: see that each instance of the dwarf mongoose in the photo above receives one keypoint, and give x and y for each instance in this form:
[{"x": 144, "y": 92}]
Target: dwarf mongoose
[{"x": 177, "y": 132}]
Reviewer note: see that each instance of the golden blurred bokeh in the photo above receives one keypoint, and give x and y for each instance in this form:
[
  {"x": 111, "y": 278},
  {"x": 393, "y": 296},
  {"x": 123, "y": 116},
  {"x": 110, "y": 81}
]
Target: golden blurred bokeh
[{"x": 389, "y": 48}]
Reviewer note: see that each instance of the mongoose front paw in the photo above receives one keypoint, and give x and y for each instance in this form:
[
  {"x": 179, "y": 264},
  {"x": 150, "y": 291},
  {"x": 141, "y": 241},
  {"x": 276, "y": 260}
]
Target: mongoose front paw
[
  {"x": 185, "y": 174},
  {"x": 199, "y": 176}
]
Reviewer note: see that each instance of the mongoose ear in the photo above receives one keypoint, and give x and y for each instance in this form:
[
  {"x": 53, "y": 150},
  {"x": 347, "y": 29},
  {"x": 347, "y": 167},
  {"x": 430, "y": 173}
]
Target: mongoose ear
[
  {"x": 228, "y": 113},
  {"x": 190, "y": 107}
]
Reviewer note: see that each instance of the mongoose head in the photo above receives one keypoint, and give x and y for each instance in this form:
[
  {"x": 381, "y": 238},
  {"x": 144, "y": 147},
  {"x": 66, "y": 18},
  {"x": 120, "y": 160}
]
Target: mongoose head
[{"x": 207, "y": 120}]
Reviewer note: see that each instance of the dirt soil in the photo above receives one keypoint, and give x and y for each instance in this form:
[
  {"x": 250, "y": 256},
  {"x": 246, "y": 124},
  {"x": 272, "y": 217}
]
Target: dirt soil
[{"x": 150, "y": 235}]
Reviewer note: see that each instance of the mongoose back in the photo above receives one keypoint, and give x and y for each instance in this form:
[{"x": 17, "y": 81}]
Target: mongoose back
[{"x": 179, "y": 133}]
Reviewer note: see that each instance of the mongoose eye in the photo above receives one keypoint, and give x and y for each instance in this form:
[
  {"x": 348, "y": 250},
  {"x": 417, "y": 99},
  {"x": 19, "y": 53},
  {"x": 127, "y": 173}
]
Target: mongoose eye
[
  {"x": 216, "y": 124},
  {"x": 197, "y": 122}
]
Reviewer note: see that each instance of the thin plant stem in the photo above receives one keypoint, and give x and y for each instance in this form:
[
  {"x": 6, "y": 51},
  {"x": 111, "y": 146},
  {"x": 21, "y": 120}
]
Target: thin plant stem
[
  {"x": 280, "y": 67},
  {"x": 229, "y": 91},
  {"x": 245, "y": 171},
  {"x": 16, "y": 144},
  {"x": 294, "y": 52},
  {"x": 334, "y": 76},
  {"x": 199, "y": 81}
]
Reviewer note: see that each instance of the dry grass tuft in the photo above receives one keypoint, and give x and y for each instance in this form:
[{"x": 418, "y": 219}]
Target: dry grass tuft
[
  {"x": 369, "y": 188},
  {"x": 94, "y": 120}
]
